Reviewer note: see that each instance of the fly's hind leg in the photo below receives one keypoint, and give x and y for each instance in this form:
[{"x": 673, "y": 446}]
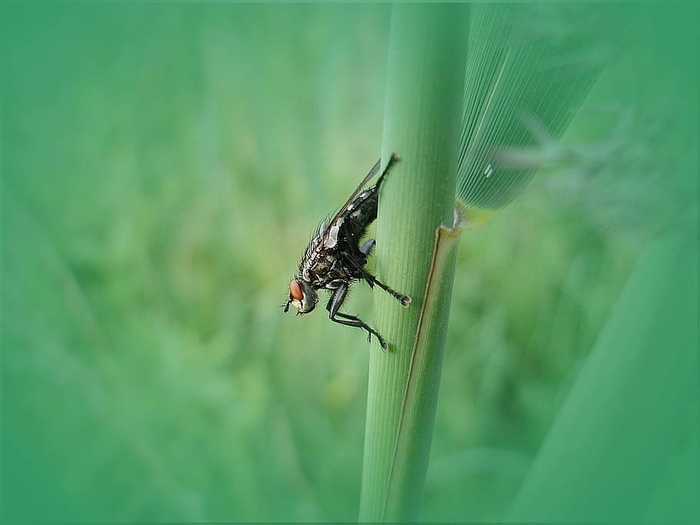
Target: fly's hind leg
[
  {"x": 405, "y": 300},
  {"x": 366, "y": 248},
  {"x": 335, "y": 315}
]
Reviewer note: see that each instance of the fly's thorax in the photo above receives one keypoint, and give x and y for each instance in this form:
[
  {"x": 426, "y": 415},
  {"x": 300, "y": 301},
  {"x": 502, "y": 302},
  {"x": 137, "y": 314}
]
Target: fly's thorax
[
  {"x": 302, "y": 295},
  {"x": 331, "y": 240},
  {"x": 318, "y": 265}
]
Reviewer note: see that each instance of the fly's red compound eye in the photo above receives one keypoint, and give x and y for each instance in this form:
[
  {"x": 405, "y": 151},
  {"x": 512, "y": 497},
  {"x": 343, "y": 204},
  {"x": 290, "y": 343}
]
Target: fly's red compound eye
[{"x": 295, "y": 291}]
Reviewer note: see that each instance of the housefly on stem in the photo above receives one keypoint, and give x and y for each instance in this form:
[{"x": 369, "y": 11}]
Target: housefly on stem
[{"x": 336, "y": 257}]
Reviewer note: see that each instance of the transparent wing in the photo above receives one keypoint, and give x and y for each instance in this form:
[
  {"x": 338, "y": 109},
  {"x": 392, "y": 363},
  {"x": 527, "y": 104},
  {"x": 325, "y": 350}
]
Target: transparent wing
[{"x": 330, "y": 230}]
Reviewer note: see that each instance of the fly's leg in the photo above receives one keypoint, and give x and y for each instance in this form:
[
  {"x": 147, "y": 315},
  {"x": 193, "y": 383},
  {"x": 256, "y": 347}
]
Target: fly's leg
[
  {"x": 366, "y": 248},
  {"x": 405, "y": 300},
  {"x": 335, "y": 315},
  {"x": 351, "y": 320}
]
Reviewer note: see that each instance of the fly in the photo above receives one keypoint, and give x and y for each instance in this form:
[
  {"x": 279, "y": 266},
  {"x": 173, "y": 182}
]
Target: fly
[{"x": 334, "y": 258}]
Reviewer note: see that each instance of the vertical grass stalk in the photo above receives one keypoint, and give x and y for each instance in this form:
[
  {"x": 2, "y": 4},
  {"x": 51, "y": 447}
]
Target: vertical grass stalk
[{"x": 427, "y": 54}]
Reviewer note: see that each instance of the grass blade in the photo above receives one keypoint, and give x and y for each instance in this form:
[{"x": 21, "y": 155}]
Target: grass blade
[
  {"x": 424, "y": 93},
  {"x": 631, "y": 405},
  {"x": 413, "y": 441},
  {"x": 530, "y": 67}
]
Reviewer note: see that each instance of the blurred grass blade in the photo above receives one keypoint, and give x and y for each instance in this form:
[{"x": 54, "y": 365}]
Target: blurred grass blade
[
  {"x": 530, "y": 67},
  {"x": 617, "y": 166},
  {"x": 629, "y": 424},
  {"x": 631, "y": 406},
  {"x": 427, "y": 52},
  {"x": 412, "y": 441}
]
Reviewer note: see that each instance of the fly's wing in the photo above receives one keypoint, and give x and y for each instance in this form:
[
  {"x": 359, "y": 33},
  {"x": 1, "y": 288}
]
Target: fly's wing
[{"x": 330, "y": 236}]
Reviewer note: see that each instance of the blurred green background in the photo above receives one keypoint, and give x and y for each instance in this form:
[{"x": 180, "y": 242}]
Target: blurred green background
[{"x": 163, "y": 169}]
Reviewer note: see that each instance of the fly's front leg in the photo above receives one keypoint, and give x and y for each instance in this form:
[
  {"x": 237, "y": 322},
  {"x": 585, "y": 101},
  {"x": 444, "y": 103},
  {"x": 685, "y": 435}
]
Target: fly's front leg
[{"x": 335, "y": 315}]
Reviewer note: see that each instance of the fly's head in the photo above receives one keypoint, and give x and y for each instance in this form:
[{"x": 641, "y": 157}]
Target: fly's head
[{"x": 302, "y": 295}]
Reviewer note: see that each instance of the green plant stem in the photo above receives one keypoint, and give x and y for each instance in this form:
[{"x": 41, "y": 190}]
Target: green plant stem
[
  {"x": 427, "y": 53},
  {"x": 414, "y": 434}
]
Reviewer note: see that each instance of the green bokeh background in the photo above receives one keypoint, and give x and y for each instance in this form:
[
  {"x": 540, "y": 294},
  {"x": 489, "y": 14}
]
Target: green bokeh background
[{"x": 162, "y": 169}]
